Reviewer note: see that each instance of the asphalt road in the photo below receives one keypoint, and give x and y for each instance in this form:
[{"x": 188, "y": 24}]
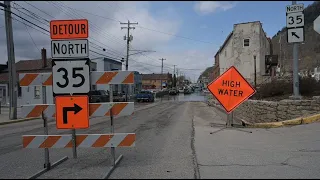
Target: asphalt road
[
  {"x": 175, "y": 139},
  {"x": 163, "y": 147}
]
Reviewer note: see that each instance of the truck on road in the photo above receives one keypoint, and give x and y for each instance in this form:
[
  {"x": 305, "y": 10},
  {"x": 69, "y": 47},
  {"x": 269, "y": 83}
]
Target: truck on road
[{"x": 145, "y": 96}]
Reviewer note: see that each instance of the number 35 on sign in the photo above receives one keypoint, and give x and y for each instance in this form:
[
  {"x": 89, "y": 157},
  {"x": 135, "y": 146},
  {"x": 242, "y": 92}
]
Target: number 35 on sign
[
  {"x": 70, "y": 77},
  {"x": 295, "y": 20}
]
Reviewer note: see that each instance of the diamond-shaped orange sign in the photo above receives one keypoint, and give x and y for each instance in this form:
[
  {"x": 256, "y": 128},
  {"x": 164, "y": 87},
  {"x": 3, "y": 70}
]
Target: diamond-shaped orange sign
[{"x": 231, "y": 89}]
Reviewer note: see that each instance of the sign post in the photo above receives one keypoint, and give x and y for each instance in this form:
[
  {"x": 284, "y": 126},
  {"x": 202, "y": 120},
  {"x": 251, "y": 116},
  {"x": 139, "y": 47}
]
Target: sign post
[
  {"x": 231, "y": 89},
  {"x": 295, "y": 28},
  {"x": 70, "y": 74},
  {"x": 71, "y": 82}
]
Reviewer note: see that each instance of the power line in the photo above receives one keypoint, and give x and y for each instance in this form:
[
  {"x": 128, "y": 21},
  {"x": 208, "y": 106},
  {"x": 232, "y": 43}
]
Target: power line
[
  {"x": 29, "y": 16},
  {"x": 26, "y": 20},
  {"x": 143, "y": 28},
  {"x": 39, "y": 9},
  {"x": 76, "y": 14},
  {"x": 49, "y": 35},
  {"x": 36, "y": 25},
  {"x": 30, "y": 34},
  {"x": 30, "y": 12}
]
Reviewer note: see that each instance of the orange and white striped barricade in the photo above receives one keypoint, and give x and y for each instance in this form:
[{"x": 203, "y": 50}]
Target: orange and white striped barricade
[
  {"x": 97, "y": 78},
  {"x": 111, "y": 109},
  {"x": 95, "y": 109},
  {"x": 82, "y": 140}
]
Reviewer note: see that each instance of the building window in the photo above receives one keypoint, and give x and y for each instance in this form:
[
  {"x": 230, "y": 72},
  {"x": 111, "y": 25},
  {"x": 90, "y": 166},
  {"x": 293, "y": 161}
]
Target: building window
[
  {"x": 225, "y": 53},
  {"x": 37, "y": 92},
  {"x": 246, "y": 42},
  {"x": 19, "y": 91}
]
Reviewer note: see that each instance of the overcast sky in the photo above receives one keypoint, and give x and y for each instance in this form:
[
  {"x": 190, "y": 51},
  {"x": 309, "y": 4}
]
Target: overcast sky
[{"x": 186, "y": 34}]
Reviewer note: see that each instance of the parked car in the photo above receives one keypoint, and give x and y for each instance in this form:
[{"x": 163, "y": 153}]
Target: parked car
[
  {"x": 173, "y": 91},
  {"x": 181, "y": 90},
  {"x": 98, "y": 96},
  {"x": 145, "y": 96},
  {"x": 119, "y": 97},
  {"x": 187, "y": 91}
]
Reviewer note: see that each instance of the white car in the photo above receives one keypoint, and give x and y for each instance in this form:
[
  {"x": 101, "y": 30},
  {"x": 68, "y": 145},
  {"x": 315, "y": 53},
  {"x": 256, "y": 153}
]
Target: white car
[{"x": 205, "y": 91}]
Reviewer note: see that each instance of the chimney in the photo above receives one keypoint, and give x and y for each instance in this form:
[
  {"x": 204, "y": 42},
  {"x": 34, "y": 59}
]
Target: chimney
[{"x": 44, "y": 57}]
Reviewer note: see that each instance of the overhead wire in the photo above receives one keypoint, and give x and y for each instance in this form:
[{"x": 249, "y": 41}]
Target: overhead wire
[
  {"x": 29, "y": 34},
  {"x": 142, "y": 27},
  {"x": 49, "y": 26}
]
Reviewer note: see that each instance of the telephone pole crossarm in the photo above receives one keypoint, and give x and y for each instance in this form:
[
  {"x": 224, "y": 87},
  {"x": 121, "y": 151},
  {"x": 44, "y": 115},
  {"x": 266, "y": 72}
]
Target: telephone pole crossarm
[{"x": 128, "y": 38}]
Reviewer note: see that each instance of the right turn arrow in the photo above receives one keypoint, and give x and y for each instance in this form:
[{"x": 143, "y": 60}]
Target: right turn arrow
[
  {"x": 75, "y": 109},
  {"x": 295, "y": 34}
]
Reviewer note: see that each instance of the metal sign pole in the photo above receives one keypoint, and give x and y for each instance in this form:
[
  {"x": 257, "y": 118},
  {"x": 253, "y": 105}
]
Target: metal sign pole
[
  {"x": 74, "y": 144},
  {"x": 47, "y": 164},
  {"x": 112, "y": 127},
  {"x": 229, "y": 117}
]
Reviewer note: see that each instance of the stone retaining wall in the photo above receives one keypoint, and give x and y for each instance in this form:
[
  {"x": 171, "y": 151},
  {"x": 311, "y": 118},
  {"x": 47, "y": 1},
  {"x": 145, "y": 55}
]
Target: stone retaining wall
[{"x": 255, "y": 111}]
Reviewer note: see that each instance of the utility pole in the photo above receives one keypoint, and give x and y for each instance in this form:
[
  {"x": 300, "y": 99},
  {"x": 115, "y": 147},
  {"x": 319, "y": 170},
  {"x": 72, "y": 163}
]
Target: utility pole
[
  {"x": 255, "y": 70},
  {"x": 11, "y": 61},
  {"x": 296, "y": 93},
  {"x": 174, "y": 75},
  {"x": 161, "y": 71},
  {"x": 128, "y": 38}
]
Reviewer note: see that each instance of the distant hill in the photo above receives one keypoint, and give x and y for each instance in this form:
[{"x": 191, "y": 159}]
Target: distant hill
[
  {"x": 309, "y": 52},
  {"x": 206, "y": 73}
]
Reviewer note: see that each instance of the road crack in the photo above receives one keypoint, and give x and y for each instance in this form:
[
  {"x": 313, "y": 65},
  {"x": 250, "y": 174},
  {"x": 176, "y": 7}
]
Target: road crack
[{"x": 196, "y": 174}]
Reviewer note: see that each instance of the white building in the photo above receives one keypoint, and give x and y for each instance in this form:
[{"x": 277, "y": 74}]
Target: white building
[
  {"x": 242, "y": 44},
  {"x": 107, "y": 64}
]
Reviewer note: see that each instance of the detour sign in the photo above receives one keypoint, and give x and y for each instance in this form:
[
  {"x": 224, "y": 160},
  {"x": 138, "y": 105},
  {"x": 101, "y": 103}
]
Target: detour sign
[
  {"x": 231, "y": 89},
  {"x": 69, "y": 29}
]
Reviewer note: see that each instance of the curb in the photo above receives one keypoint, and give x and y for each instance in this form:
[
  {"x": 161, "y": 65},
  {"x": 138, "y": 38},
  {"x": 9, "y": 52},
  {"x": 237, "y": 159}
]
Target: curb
[
  {"x": 292, "y": 122},
  {"x": 18, "y": 120}
]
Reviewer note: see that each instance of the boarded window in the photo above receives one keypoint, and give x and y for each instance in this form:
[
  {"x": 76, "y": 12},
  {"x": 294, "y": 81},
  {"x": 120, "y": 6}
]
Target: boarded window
[{"x": 246, "y": 42}]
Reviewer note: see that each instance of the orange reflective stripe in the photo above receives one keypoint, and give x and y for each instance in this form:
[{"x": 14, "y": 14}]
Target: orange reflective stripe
[
  {"x": 48, "y": 82},
  {"x": 27, "y": 79},
  {"x": 50, "y": 141},
  {"x": 37, "y": 110},
  {"x": 128, "y": 140},
  {"x": 102, "y": 140},
  {"x": 80, "y": 138},
  {"x": 117, "y": 108},
  {"x": 106, "y": 77},
  {"x": 93, "y": 108},
  {"x": 27, "y": 140},
  {"x": 129, "y": 79}
]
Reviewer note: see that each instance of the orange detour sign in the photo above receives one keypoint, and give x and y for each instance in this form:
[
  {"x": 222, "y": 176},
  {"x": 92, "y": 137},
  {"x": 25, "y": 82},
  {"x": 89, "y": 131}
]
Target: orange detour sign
[
  {"x": 69, "y": 29},
  {"x": 72, "y": 112},
  {"x": 231, "y": 89}
]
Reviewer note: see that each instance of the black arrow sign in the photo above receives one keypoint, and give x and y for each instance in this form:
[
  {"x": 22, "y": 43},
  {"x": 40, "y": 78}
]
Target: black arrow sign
[
  {"x": 76, "y": 109},
  {"x": 295, "y": 34}
]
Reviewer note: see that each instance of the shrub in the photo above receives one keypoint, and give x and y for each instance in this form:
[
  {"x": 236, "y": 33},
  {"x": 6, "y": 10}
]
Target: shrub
[{"x": 308, "y": 86}]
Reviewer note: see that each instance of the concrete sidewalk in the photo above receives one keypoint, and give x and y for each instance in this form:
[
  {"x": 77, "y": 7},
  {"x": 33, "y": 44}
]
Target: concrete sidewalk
[
  {"x": 4, "y": 115},
  {"x": 288, "y": 152}
]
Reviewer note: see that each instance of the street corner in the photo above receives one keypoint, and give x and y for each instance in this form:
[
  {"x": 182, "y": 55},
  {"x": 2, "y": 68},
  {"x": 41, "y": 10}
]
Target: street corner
[
  {"x": 17, "y": 120},
  {"x": 291, "y": 122}
]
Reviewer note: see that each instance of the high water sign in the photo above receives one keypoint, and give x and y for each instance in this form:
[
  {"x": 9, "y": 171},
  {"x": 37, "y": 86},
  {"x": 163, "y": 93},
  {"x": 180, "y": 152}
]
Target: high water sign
[{"x": 231, "y": 89}]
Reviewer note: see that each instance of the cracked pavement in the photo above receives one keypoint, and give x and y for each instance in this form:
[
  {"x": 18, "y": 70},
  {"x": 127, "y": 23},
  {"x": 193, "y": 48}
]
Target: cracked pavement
[{"x": 288, "y": 152}]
